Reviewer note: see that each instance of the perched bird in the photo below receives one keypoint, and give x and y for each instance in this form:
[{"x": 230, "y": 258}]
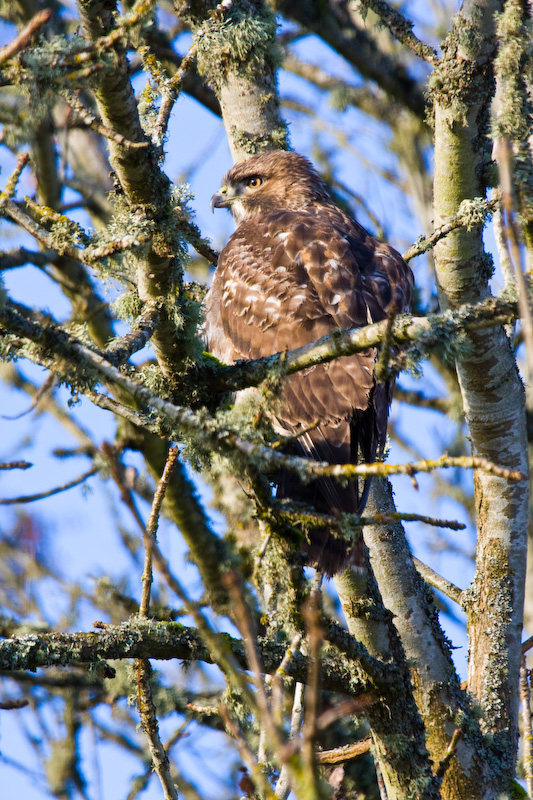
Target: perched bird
[{"x": 296, "y": 268}]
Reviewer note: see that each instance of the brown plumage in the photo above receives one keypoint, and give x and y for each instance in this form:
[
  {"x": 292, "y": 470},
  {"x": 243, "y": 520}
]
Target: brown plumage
[{"x": 296, "y": 268}]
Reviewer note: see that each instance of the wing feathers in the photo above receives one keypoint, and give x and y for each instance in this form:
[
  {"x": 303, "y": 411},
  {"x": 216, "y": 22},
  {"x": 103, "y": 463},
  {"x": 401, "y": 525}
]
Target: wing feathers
[{"x": 284, "y": 280}]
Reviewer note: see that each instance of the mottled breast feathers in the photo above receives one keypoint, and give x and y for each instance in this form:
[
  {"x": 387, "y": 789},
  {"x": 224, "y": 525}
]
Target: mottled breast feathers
[{"x": 296, "y": 268}]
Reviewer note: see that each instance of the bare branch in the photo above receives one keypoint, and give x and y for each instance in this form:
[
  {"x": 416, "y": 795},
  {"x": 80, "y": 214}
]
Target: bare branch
[
  {"x": 31, "y": 498},
  {"x": 438, "y": 582},
  {"x": 151, "y": 529},
  {"x": 151, "y": 728},
  {"x": 471, "y": 212},
  {"x": 22, "y": 40},
  {"x": 339, "y": 755},
  {"x": 84, "y": 115}
]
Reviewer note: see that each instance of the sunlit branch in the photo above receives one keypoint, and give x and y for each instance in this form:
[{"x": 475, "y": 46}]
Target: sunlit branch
[
  {"x": 424, "y": 331},
  {"x": 339, "y": 755},
  {"x": 438, "y": 582}
]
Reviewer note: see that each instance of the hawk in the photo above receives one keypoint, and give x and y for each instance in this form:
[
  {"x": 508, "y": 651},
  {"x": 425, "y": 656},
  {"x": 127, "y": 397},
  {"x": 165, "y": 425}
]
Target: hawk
[{"x": 296, "y": 268}]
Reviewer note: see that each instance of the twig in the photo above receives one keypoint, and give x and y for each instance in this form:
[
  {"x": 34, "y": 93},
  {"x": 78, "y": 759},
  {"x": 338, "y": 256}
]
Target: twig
[
  {"x": 527, "y": 645},
  {"x": 170, "y": 94},
  {"x": 401, "y": 28},
  {"x": 311, "y": 612},
  {"x": 38, "y": 232},
  {"x": 244, "y": 624},
  {"x": 142, "y": 329},
  {"x": 22, "y": 40},
  {"x": 89, "y": 120},
  {"x": 503, "y": 157},
  {"x": 151, "y": 529},
  {"x": 10, "y": 705},
  {"x": 419, "y": 399},
  {"x": 283, "y": 786},
  {"x": 385, "y": 519},
  {"x": 438, "y": 582},
  {"x": 30, "y": 498},
  {"x": 15, "y": 465},
  {"x": 473, "y": 212},
  {"x": 450, "y": 752},
  {"x": 315, "y": 519},
  {"x": 151, "y": 728},
  {"x": 527, "y": 732},
  {"x": 277, "y": 680},
  {"x": 341, "y": 754},
  {"x": 13, "y": 179}
]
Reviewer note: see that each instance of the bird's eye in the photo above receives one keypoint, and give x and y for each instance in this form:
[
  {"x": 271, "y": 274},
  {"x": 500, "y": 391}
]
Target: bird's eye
[{"x": 254, "y": 182}]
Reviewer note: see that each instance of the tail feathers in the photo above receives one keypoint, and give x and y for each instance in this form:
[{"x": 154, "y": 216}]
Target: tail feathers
[{"x": 350, "y": 442}]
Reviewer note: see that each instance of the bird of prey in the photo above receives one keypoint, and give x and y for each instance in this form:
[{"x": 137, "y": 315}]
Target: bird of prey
[{"x": 296, "y": 268}]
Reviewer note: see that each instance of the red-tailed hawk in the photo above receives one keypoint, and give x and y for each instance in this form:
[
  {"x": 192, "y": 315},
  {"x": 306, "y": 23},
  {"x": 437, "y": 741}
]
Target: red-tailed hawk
[{"x": 296, "y": 268}]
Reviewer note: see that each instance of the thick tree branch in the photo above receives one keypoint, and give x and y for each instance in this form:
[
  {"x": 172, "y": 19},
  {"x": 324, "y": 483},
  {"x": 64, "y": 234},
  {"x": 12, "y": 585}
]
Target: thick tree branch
[
  {"x": 424, "y": 331},
  {"x": 172, "y": 640},
  {"x": 493, "y": 398}
]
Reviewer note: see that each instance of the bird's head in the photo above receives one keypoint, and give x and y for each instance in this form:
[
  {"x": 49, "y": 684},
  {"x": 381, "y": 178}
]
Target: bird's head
[{"x": 269, "y": 182}]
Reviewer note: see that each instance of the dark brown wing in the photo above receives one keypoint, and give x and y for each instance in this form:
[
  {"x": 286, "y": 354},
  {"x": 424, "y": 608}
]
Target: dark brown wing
[{"x": 285, "y": 282}]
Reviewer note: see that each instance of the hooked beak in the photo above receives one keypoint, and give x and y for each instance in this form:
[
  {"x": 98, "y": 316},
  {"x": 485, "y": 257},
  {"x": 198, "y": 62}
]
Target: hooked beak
[{"x": 220, "y": 199}]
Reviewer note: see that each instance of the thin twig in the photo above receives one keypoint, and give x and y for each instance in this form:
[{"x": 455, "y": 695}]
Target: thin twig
[
  {"x": 311, "y": 612},
  {"x": 30, "y": 498},
  {"x": 151, "y": 728},
  {"x": 13, "y": 179},
  {"x": 283, "y": 786},
  {"x": 170, "y": 94},
  {"x": 503, "y": 156},
  {"x": 527, "y": 732},
  {"x": 438, "y": 582},
  {"x": 298, "y": 515},
  {"x": 244, "y": 624},
  {"x": 450, "y": 752},
  {"x": 401, "y": 28},
  {"x": 277, "y": 680},
  {"x": 22, "y": 40},
  {"x": 474, "y": 212},
  {"x": 15, "y": 465},
  {"x": 11, "y": 705},
  {"x": 89, "y": 120},
  {"x": 339, "y": 755},
  {"x": 151, "y": 529}
]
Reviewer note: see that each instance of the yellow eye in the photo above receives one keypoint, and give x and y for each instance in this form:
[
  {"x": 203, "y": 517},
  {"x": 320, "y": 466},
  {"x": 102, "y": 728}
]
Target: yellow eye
[{"x": 254, "y": 182}]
